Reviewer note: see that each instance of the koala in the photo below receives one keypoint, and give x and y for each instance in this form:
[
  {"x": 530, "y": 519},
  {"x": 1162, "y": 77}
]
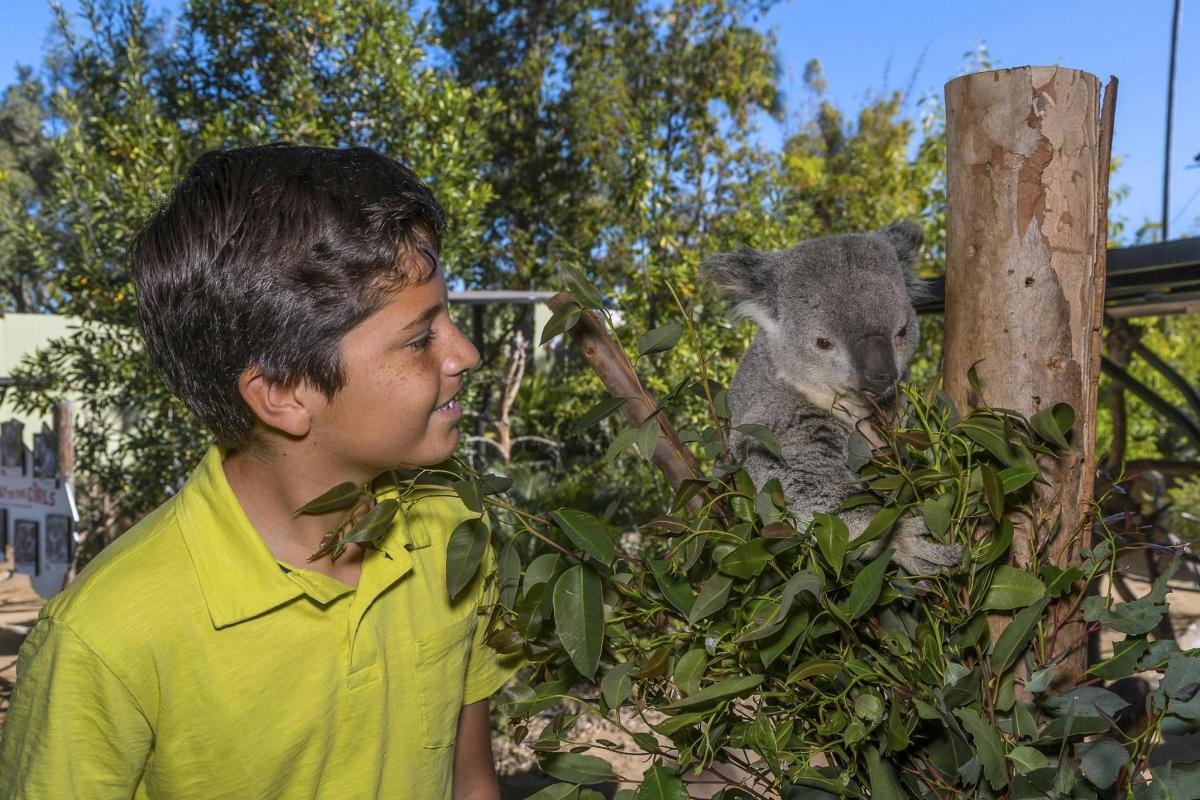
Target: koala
[{"x": 837, "y": 329}]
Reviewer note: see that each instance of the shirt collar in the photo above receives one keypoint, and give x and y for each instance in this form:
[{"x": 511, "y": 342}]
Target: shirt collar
[{"x": 239, "y": 577}]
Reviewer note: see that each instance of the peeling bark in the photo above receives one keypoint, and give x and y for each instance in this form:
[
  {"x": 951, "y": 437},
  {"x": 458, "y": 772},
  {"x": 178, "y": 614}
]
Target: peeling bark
[{"x": 1027, "y": 188}]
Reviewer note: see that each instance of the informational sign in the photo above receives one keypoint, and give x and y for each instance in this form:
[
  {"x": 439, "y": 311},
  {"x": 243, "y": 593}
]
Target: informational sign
[{"x": 37, "y": 509}]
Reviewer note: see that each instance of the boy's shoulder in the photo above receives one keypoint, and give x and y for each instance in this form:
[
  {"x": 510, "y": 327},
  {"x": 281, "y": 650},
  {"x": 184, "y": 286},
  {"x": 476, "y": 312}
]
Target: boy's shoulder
[{"x": 145, "y": 569}]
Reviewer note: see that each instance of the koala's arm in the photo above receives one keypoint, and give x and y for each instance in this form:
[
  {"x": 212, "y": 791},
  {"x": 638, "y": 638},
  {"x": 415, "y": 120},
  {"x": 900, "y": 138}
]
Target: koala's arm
[{"x": 815, "y": 479}]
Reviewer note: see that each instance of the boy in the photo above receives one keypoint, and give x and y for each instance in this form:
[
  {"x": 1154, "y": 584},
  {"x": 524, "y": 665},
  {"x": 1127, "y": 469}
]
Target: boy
[{"x": 291, "y": 298}]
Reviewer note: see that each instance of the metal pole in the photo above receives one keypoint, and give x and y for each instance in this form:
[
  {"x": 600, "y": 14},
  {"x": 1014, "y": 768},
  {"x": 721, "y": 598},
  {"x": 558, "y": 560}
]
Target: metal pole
[{"x": 1166, "y": 204}]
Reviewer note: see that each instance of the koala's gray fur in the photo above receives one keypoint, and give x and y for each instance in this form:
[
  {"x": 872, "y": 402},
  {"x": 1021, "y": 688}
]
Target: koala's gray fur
[{"x": 836, "y": 327}]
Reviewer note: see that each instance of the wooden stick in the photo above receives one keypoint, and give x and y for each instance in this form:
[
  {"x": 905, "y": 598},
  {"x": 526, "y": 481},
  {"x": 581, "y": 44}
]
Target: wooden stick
[
  {"x": 1026, "y": 234},
  {"x": 612, "y": 365}
]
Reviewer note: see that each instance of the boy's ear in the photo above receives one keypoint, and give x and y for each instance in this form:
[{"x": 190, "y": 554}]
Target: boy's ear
[
  {"x": 746, "y": 279},
  {"x": 284, "y": 408}
]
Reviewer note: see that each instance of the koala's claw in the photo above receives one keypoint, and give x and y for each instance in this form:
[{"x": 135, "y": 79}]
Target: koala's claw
[{"x": 920, "y": 555}]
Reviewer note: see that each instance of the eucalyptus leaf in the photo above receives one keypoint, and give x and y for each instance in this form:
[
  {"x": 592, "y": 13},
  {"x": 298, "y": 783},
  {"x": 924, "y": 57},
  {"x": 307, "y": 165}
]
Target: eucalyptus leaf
[
  {"x": 341, "y": 496},
  {"x": 867, "y": 584},
  {"x": 561, "y": 321},
  {"x": 660, "y": 339},
  {"x": 1012, "y": 588},
  {"x": 660, "y": 783},
  {"x": 711, "y": 598},
  {"x": 722, "y": 690},
  {"x": 764, "y": 435},
  {"x": 375, "y": 524},
  {"x": 587, "y": 533},
  {"x": 833, "y": 537},
  {"x": 601, "y": 411},
  {"x": 576, "y": 767},
  {"x": 464, "y": 554},
  {"x": 581, "y": 286},
  {"x": 579, "y": 618}
]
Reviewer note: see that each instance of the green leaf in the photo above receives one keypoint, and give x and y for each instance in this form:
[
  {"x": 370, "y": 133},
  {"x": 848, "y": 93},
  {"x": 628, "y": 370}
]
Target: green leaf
[
  {"x": 495, "y": 484},
  {"x": 602, "y": 410},
  {"x": 689, "y": 669},
  {"x": 576, "y": 767},
  {"x": 540, "y": 570},
  {"x": 1059, "y": 581},
  {"x": 509, "y": 574},
  {"x": 722, "y": 690},
  {"x": 880, "y": 524},
  {"x": 1086, "y": 701},
  {"x": 1012, "y": 588},
  {"x": 676, "y": 589},
  {"x": 659, "y": 783},
  {"x": 579, "y": 618},
  {"x": 563, "y": 320},
  {"x": 1134, "y": 618},
  {"x": 939, "y": 513},
  {"x": 660, "y": 339},
  {"x": 582, "y": 287},
  {"x": 988, "y": 746},
  {"x": 765, "y": 436},
  {"x": 617, "y": 686},
  {"x": 557, "y": 791},
  {"x": 997, "y": 546},
  {"x": 647, "y": 437},
  {"x": 464, "y": 553},
  {"x": 882, "y": 775},
  {"x": 1014, "y": 478},
  {"x": 813, "y": 668},
  {"x": 993, "y": 491},
  {"x": 1011, "y": 642},
  {"x": 587, "y": 533},
  {"x": 375, "y": 524},
  {"x": 713, "y": 594},
  {"x": 620, "y": 443},
  {"x": 992, "y": 435},
  {"x": 865, "y": 589},
  {"x": 1102, "y": 761},
  {"x": 746, "y": 560},
  {"x": 343, "y": 495},
  {"x": 468, "y": 492},
  {"x": 1026, "y": 759},
  {"x": 1052, "y": 423},
  {"x": 832, "y": 537},
  {"x": 762, "y": 738}
]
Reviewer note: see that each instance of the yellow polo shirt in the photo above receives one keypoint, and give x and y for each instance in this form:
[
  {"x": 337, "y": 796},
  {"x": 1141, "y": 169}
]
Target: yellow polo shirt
[{"x": 186, "y": 662}]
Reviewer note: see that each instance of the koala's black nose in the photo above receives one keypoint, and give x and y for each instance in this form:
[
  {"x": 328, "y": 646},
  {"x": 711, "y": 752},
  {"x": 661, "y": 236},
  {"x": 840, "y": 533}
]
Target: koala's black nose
[{"x": 876, "y": 363}]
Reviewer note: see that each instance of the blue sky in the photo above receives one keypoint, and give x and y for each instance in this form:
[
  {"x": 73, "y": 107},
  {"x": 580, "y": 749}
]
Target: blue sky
[{"x": 868, "y": 45}]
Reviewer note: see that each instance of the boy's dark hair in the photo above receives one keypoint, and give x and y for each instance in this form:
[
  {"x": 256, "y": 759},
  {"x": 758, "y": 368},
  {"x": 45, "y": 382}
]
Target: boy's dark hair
[{"x": 267, "y": 256}]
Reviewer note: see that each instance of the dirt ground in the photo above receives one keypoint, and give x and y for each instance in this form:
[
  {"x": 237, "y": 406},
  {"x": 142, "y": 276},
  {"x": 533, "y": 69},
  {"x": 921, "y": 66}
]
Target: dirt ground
[{"x": 19, "y": 607}]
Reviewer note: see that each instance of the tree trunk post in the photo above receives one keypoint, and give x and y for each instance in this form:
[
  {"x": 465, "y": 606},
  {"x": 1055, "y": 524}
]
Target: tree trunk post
[{"x": 1026, "y": 231}]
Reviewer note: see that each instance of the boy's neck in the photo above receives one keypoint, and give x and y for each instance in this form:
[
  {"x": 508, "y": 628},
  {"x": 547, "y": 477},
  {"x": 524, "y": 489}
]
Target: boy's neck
[{"x": 270, "y": 487}]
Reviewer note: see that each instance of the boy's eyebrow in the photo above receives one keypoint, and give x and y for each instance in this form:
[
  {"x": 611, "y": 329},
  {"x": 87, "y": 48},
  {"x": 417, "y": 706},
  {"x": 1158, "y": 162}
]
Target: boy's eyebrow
[{"x": 426, "y": 315}]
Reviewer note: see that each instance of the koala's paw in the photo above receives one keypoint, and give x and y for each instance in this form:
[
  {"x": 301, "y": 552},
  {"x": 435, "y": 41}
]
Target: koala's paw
[{"x": 918, "y": 553}]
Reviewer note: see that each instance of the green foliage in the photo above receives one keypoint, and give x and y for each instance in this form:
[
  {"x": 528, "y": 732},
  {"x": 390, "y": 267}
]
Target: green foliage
[
  {"x": 747, "y": 643},
  {"x": 131, "y": 103}
]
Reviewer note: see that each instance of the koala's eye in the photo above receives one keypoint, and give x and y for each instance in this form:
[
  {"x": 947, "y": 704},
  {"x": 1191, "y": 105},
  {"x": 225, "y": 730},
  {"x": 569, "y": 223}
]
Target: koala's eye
[
  {"x": 824, "y": 344},
  {"x": 900, "y": 334}
]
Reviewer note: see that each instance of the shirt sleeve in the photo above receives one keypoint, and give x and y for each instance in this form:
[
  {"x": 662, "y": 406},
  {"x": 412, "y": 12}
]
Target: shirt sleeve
[
  {"x": 487, "y": 669},
  {"x": 72, "y": 729}
]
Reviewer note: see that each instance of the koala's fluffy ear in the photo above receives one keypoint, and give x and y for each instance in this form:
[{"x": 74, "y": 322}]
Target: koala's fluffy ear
[
  {"x": 906, "y": 237},
  {"x": 746, "y": 280}
]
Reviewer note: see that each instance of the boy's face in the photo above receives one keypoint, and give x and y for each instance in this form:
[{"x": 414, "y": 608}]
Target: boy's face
[{"x": 402, "y": 365}]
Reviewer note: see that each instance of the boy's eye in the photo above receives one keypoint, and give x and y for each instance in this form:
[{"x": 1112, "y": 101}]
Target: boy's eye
[{"x": 422, "y": 343}]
